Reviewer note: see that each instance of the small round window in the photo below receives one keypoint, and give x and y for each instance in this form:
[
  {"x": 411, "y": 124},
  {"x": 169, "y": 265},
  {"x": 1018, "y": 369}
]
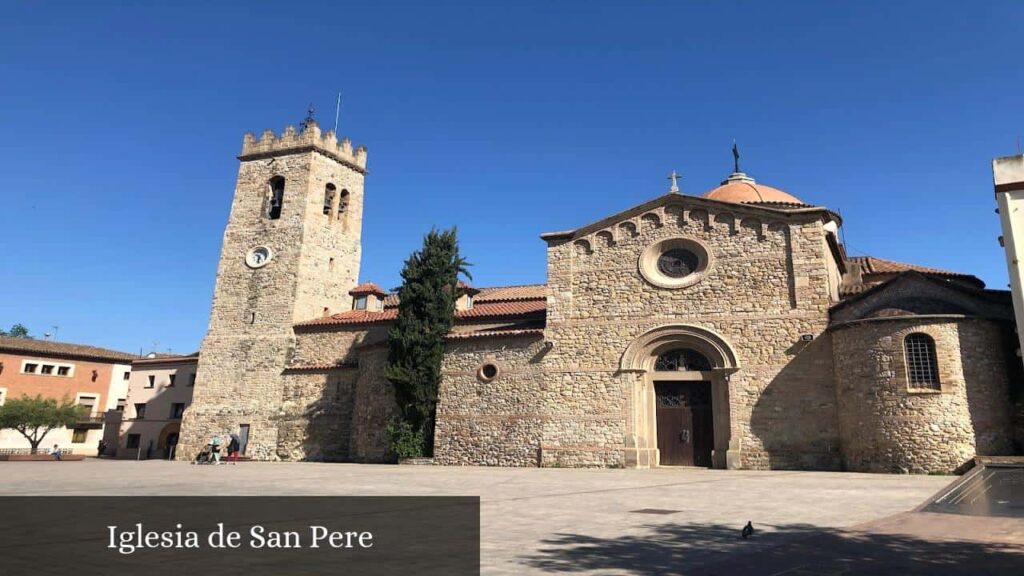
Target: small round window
[
  {"x": 488, "y": 372},
  {"x": 674, "y": 262},
  {"x": 678, "y": 263}
]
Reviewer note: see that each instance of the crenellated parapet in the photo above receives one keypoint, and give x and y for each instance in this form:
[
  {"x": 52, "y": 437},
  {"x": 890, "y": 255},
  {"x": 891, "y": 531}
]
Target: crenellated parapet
[{"x": 310, "y": 138}]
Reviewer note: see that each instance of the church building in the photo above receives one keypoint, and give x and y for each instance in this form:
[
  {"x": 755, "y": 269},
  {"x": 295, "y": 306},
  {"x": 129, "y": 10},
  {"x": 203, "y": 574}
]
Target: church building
[{"x": 727, "y": 329}]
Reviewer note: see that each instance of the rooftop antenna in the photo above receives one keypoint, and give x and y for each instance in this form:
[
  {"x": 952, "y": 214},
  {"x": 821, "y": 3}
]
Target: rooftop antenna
[
  {"x": 55, "y": 328},
  {"x": 337, "y": 112},
  {"x": 1018, "y": 144},
  {"x": 842, "y": 229}
]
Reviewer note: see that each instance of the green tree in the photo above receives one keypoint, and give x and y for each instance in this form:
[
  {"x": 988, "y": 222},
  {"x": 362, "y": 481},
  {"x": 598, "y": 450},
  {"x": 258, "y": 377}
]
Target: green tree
[
  {"x": 35, "y": 417},
  {"x": 16, "y": 331},
  {"x": 426, "y": 313}
]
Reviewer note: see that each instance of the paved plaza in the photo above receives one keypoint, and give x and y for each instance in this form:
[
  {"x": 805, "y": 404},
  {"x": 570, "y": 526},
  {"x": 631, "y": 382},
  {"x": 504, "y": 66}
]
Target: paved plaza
[{"x": 669, "y": 520}]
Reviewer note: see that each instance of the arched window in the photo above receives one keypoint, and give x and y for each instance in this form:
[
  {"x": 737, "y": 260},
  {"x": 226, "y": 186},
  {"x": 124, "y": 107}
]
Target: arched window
[
  {"x": 328, "y": 199},
  {"x": 681, "y": 359},
  {"x": 922, "y": 366},
  {"x": 276, "y": 197},
  {"x": 343, "y": 205}
]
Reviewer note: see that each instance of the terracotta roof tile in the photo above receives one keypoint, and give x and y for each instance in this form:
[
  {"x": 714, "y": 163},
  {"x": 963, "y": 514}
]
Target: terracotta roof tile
[
  {"x": 741, "y": 189},
  {"x": 845, "y": 291},
  {"x": 522, "y": 292},
  {"x": 493, "y": 333},
  {"x": 321, "y": 367},
  {"x": 480, "y": 310},
  {"x": 778, "y": 204},
  {"x": 62, "y": 349},
  {"x": 493, "y": 294},
  {"x": 167, "y": 358},
  {"x": 502, "y": 309},
  {"x": 368, "y": 288},
  {"x": 354, "y": 317},
  {"x": 872, "y": 265}
]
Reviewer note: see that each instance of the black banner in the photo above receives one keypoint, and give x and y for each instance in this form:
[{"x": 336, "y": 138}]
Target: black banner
[{"x": 255, "y": 536}]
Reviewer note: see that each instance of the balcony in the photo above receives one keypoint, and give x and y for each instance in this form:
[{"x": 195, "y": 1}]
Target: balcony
[{"x": 92, "y": 421}]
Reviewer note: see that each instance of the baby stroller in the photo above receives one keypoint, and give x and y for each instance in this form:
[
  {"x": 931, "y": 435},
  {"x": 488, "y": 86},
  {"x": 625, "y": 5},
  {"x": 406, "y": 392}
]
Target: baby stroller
[{"x": 205, "y": 456}]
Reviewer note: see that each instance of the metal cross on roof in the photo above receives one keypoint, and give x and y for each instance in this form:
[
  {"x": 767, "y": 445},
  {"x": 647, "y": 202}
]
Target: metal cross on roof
[
  {"x": 674, "y": 177},
  {"x": 309, "y": 121}
]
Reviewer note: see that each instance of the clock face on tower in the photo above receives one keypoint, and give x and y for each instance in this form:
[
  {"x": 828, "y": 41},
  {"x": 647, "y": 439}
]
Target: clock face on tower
[{"x": 258, "y": 257}]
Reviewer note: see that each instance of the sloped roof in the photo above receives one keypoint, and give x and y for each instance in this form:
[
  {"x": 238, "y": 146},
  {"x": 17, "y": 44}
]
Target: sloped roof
[
  {"x": 994, "y": 303},
  {"x": 493, "y": 294},
  {"x": 166, "y": 359},
  {"x": 494, "y": 333},
  {"x": 782, "y": 210},
  {"x": 368, "y": 288},
  {"x": 62, "y": 350},
  {"x": 872, "y": 265},
  {"x": 499, "y": 302}
]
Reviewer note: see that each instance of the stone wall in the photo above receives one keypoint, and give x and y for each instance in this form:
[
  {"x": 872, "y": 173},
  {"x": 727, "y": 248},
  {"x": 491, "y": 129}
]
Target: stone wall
[
  {"x": 498, "y": 422},
  {"x": 766, "y": 285},
  {"x": 315, "y": 261},
  {"x": 330, "y": 345},
  {"x": 886, "y": 426},
  {"x": 374, "y": 407},
  {"x": 315, "y": 417}
]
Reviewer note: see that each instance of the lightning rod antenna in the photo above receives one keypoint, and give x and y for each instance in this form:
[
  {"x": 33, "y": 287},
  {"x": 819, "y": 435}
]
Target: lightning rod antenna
[{"x": 337, "y": 113}]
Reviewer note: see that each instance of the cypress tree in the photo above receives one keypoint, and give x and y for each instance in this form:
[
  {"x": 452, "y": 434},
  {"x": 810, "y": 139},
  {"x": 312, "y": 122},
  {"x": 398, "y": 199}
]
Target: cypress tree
[{"x": 426, "y": 313}]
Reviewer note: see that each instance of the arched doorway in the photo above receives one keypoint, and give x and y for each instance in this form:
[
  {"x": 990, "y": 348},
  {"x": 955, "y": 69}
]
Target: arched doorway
[
  {"x": 167, "y": 443},
  {"x": 683, "y": 409},
  {"x": 680, "y": 400}
]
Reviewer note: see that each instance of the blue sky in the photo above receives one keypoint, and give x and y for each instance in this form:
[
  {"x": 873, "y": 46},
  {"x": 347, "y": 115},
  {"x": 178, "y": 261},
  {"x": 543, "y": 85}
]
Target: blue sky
[{"x": 122, "y": 124}]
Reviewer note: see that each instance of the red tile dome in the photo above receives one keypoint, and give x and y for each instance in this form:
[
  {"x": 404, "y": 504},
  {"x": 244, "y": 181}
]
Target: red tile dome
[{"x": 742, "y": 189}]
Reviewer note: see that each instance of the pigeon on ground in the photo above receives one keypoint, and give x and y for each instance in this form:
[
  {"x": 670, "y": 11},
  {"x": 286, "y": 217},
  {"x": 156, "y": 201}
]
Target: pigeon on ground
[{"x": 748, "y": 530}]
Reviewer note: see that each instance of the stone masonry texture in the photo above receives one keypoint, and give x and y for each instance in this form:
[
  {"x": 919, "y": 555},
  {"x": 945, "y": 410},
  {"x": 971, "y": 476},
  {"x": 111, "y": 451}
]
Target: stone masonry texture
[{"x": 799, "y": 379}]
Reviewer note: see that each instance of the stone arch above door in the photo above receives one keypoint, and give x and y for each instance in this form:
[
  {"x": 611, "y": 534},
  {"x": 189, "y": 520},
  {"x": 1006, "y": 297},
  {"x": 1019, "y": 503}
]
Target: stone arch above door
[
  {"x": 640, "y": 355},
  {"x": 170, "y": 428}
]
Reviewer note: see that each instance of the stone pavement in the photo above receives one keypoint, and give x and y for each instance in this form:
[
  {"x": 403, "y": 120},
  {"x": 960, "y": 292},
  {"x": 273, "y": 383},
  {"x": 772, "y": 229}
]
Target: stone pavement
[{"x": 662, "y": 521}]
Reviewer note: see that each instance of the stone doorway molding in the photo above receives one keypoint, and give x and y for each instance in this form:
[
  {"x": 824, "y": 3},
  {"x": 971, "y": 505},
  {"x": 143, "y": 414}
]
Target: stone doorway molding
[{"x": 637, "y": 366}]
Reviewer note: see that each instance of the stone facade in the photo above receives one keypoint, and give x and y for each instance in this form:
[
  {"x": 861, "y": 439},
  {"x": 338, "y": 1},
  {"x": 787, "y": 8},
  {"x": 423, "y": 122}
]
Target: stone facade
[
  {"x": 889, "y": 426},
  {"x": 766, "y": 285},
  {"x": 159, "y": 391},
  {"x": 314, "y": 253},
  {"x": 794, "y": 357},
  {"x": 499, "y": 422}
]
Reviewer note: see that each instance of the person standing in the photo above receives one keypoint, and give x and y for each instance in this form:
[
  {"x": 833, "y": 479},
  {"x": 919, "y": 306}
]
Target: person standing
[
  {"x": 215, "y": 448},
  {"x": 233, "y": 447}
]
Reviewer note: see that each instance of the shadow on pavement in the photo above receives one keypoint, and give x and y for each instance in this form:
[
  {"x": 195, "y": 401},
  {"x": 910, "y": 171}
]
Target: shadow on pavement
[{"x": 706, "y": 549}]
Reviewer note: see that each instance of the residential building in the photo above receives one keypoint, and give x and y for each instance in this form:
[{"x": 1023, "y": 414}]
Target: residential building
[
  {"x": 96, "y": 378},
  {"x": 159, "y": 393}
]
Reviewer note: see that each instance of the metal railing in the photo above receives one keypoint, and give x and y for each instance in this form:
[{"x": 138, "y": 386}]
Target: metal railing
[{"x": 43, "y": 450}]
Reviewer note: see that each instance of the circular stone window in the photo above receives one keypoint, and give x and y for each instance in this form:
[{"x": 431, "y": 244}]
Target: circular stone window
[
  {"x": 678, "y": 263},
  {"x": 258, "y": 257},
  {"x": 488, "y": 371},
  {"x": 674, "y": 263}
]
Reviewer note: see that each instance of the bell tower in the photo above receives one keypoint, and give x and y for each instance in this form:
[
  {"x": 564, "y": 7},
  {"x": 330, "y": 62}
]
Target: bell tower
[{"x": 290, "y": 253}]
